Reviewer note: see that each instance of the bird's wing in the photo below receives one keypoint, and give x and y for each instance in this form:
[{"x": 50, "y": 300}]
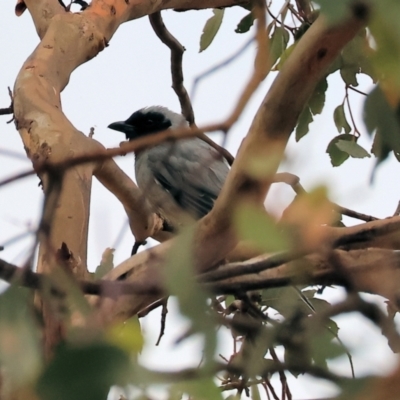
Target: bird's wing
[{"x": 191, "y": 171}]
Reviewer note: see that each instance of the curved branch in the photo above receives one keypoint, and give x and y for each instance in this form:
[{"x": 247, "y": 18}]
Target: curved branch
[
  {"x": 177, "y": 79},
  {"x": 177, "y": 51}
]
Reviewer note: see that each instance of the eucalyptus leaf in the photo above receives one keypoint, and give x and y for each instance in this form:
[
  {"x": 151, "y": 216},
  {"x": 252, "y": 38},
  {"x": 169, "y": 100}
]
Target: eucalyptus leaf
[
  {"x": 348, "y": 74},
  {"x": 317, "y": 99},
  {"x": 201, "y": 389},
  {"x": 84, "y": 373},
  {"x": 20, "y": 341},
  {"x": 352, "y": 148},
  {"x": 278, "y": 43},
  {"x": 337, "y": 156},
  {"x": 259, "y": 229},
  {"x": 335, "y": 11},
  {"x": 339, "y": 117},
  {"x": 245, "y": 23},
  {"x": 211, "y": 28},
  {"x": 381, "y": 118},
  {"x": 303, "y": 123}
]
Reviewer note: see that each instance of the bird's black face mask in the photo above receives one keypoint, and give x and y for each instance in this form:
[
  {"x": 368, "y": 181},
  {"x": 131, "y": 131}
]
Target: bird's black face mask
[{"x": 141, "y": 124}]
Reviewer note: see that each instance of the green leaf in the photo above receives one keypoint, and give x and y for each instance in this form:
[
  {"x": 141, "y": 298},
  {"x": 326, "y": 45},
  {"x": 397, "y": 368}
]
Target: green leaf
[
  {"x": 379, "y": 148},
  {"x": 180, "y": 281},
  {"x": 258, "y": 228},
  {"x": 336, "y": 65},
  {"x": 106, "y": 263},
  {"x": 379, "y": 117},
  {"x": 338, "y": 156},
  {"x": 20, "y": 342},
  {"x": 201, "y": 389},
  {"x": 348, "y": 74},
  {"x": 352, "y": 387},
  {"x": 317, "y": 99},
  {"x": 126, "y": 335},
  {"x": 301, "y": 30},
  {"x": 285, "y": 300},
  {"x": 278, "y": 43},
  {"x": 245, "y": 23},
  {"x": 211, "y": 28},
  {"x": 324, "y": 348},
  {"x": 356, "y": 59},
  {"x": 385, "y": 30},
  {"x": 352, "y": 148},
  {"x": 284, "y": 56},
  {"x": 335, "y": 11},
  {"x": 339, "y": 117},
  {"x": 332, "y": 326},
  {"x": 303, "y": 123},
  {"x": 84, "y": 373}
]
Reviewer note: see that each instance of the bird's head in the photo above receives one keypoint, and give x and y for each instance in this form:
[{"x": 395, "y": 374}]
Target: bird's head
[{"x": 149, "y": 120}]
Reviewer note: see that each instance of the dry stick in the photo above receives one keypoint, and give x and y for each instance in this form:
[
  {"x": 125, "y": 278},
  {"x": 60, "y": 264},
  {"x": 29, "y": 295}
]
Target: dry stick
[
  {"x": 282, "y": 376},
  {"x": 177, "y": 51},
  {"x": 10, "y": 108},
  {"x": 164, "y": 313},
  {"x": 151, "y": 307},
  {"x": 271, "y": 388}
]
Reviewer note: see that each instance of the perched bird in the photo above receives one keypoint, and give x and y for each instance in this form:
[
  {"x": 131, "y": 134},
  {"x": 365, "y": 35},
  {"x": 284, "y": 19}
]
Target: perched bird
[{"x": 180, "y": 179}]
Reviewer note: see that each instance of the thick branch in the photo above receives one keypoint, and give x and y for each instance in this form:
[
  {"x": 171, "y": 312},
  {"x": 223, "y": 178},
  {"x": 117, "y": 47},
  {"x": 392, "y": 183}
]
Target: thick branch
[{"x": 374, "y": 271}]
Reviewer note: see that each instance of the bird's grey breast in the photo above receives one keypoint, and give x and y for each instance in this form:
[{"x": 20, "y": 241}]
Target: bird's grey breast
[{"x": 186, "y": 176}]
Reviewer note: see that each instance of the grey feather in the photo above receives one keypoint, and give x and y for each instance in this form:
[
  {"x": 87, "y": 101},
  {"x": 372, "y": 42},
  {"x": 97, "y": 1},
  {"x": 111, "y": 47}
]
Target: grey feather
[{"x": 180, "y": 179}]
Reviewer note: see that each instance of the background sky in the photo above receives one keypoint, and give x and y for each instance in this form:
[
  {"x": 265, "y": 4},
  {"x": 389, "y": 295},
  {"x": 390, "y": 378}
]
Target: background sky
[{"x": 134, "y": 72}]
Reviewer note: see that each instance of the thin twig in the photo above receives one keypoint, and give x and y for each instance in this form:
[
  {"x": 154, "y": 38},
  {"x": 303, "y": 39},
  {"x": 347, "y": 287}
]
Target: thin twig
[
  {"x": 397, "y": 212},
  {"x": 151, "y": 307},
  {"x": 177, "y": 51},
  {"x": 294, "y": 181},
  {"x": 356, "y": 90},
  {"x": 356, "y": 131},
  {"x": 282, "y": 376},
  {"x": 10, "y": 108},
  {"x": 125, "y": 148},
  {"x": 218, "y": 66},
  {"x": 136, "y": 247},
  {"x": 164, "y": 313}
]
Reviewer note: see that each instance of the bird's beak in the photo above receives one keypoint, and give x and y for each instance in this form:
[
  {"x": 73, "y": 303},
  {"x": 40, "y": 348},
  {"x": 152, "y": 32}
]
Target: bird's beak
[{"x": 122, "y": 126}]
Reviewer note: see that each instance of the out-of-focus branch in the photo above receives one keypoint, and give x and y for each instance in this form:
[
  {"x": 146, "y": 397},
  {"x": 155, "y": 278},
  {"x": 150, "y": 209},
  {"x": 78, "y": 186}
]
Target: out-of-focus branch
[
  {"x": 373, "y": 270},
  {"x": 13, "y": 274},
  {"x": 370, "y": 270}
]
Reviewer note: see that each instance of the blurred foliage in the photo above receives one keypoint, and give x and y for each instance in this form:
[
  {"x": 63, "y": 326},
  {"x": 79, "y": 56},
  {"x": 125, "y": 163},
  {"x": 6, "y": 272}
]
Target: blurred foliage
[{"x": 106, "y": 264}]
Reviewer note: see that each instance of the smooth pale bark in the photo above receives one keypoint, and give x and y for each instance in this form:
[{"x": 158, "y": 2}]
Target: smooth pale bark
[{"x": 67, "y": 41}]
